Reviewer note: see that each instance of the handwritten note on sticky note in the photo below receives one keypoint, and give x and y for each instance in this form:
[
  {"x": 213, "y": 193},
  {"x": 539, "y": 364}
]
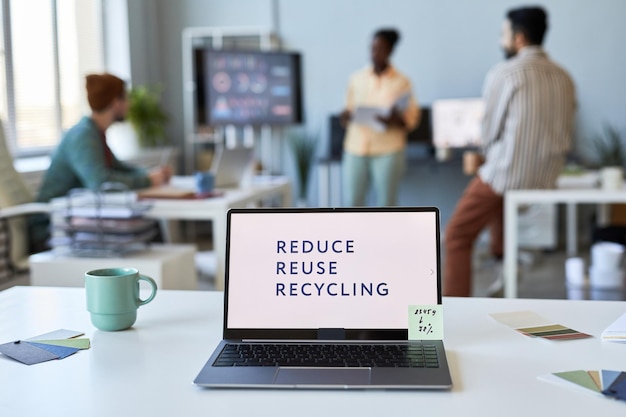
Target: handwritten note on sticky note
[{"x": 426, "y": 322}]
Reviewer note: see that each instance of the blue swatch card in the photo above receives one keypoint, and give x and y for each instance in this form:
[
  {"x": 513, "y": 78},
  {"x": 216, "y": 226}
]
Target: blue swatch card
[
  {"x": 618, "y": 388},
  {"x": 61, "y": 351},
  {"x": 608, "y": 377},
  {"x": 58, "y": 344},
  {"x": 26, "y": 353}
]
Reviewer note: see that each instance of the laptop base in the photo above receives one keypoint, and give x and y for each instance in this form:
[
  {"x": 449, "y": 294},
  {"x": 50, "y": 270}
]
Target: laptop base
[{"x": 286, "y": 377}]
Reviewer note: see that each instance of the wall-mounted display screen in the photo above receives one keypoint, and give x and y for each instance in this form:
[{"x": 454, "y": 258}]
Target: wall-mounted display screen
[{"x": 248, "y": 87}]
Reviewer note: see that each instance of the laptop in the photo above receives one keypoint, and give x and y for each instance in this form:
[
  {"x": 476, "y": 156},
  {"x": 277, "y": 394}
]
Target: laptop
[
  {"x": 231, "y": 165},
  {"x": 318, "y": 298}
]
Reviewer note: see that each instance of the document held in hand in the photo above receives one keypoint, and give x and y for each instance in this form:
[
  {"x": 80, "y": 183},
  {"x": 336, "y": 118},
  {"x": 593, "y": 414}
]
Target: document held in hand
[{"x": 368, "y": 115}]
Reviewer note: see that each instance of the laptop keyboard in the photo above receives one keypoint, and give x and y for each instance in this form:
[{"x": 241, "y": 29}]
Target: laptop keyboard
[{"x": 329, "y": 355}]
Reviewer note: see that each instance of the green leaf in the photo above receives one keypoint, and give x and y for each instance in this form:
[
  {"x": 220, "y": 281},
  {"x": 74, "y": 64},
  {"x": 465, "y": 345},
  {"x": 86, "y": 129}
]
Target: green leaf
[
  {"x": 146, "y": 115},
  {"x": 604, "y": 149},
  {"x": 303, "y": 146}
]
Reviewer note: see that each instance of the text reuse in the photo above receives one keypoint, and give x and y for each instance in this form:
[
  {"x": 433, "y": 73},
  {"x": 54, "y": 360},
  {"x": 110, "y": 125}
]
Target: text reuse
[{"x": 319, "y": 276}]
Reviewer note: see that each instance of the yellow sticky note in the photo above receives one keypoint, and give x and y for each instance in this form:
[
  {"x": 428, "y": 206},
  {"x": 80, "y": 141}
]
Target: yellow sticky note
[{"x": 426, "y": 322}]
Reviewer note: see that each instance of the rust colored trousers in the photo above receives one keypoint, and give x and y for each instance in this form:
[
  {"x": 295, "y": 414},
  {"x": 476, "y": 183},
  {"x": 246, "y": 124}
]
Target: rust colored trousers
[{"x": 479, "y": 207}]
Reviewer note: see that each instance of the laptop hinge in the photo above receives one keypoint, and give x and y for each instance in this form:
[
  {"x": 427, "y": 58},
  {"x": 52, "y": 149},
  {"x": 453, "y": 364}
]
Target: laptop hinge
[{"x": 331, "y": 334}]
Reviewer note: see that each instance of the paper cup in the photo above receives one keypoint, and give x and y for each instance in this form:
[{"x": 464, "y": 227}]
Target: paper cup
[
  {"x": 602, "y": 278},
  {"x": 575, "y": 272},
  {"x": 606, "y": 255},
  {"x": 612, "y": 178}
]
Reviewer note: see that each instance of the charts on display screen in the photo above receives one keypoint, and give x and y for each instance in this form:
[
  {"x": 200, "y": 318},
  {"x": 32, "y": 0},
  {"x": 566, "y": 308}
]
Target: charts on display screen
[{"x": 248, "y": 87}]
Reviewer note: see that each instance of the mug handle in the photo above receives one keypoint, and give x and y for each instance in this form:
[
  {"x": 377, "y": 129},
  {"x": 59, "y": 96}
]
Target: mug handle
[{"x": 150, "y": 281}]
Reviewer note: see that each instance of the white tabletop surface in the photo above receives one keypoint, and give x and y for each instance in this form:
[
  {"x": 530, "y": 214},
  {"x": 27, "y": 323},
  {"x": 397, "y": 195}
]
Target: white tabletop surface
[{"x": 147, "y": 371}]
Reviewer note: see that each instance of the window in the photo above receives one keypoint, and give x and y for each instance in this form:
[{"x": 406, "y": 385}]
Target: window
[{"x": 48, "y": 46}]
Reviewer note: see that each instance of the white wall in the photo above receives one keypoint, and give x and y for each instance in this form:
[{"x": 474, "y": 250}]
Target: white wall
[
  {"x": 143, "y": 33},
  {"x": 117, "y": 47},
  {"x": 446, "y": 48}
]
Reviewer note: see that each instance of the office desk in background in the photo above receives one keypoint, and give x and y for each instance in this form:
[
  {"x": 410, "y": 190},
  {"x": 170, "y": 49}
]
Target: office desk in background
[
  {"x": 171, "y": 266},
  {"x": 212, "y": 209},
  {"x": 215, "y": 208},
  {"x": 515, "y": 199},
  {"x": 148, "y": 370}
]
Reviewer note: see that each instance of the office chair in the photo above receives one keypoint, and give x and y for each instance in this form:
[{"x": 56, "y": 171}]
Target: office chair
[{"x": 16, "y": 203}]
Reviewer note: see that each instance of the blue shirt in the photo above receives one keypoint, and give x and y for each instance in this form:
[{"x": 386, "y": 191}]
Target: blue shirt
[{"x": 81, "y": 161}]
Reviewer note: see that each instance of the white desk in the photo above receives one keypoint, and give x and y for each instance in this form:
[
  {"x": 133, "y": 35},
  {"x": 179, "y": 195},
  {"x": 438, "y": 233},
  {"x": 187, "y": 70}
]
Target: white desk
[
  {"x": 514, "y": 199},
  {"x": 171, "y": 266},
  {"x": 148, "y": 370},
  {"x": 214, "y": 209}
]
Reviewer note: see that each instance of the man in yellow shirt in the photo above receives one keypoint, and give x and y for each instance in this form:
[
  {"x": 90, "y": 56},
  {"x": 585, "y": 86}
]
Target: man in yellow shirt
[{"x": 375, "y": 152}]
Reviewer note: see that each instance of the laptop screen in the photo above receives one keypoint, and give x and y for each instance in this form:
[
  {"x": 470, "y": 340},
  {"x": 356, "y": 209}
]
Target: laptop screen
[
  {"x": 231, "y": 165},
  {"x": 356, "y": 268}
]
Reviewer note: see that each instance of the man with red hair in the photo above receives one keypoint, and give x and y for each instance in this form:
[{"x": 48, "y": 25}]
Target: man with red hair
[{"x": 84, "y": 160}]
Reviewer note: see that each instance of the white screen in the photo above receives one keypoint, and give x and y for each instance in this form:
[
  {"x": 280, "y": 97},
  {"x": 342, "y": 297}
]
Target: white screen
[
  {"x": 330, "y": 270},
  {"x": 457, "y": 122}
]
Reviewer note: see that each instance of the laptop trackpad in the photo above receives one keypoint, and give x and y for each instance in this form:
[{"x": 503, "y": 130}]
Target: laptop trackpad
[{"x": 322, "y": 376}]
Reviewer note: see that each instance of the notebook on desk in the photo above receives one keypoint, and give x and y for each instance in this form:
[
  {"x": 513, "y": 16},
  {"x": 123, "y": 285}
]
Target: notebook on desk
[{"x": 318, "y": 298}]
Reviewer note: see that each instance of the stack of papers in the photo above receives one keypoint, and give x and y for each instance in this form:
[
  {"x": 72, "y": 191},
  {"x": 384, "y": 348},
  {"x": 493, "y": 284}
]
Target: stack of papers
[
  {"x": 616, "y": 332},
  {"x": 603, "y": 382},
  {"x": 58, "y": 344}
]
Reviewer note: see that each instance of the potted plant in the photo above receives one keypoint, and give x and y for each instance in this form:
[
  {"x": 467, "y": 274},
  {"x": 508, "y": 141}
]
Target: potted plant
[
  {"x": 146, "y": 115},
  {"x": 607, "y": 154},
  {"x": 303, "y": 146},
  {"x": 609, "y": 157}
]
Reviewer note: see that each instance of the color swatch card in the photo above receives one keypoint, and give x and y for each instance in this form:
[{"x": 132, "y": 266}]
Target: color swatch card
[
  {"x": 533, "y": 325},
  {"x": 58, "y": 344},
  {"x": 603, "y": 382}
]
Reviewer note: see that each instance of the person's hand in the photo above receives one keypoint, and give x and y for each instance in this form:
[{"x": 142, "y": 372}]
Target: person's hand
[
  {"x": 344, "y": 118},
  {"x": 472, "y": 160},
  {"x": 167, "y": 172},
  {"x": 393, "y": 120},
  {"x": 160, "y": 175}
]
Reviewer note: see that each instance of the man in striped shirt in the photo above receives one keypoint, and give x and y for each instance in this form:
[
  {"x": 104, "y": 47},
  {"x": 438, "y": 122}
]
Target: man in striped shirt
[{"x": 526, "y": 133}]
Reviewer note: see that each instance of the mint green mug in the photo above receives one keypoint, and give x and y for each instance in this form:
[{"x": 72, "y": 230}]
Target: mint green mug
[{"x": 113, "y": 297}]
